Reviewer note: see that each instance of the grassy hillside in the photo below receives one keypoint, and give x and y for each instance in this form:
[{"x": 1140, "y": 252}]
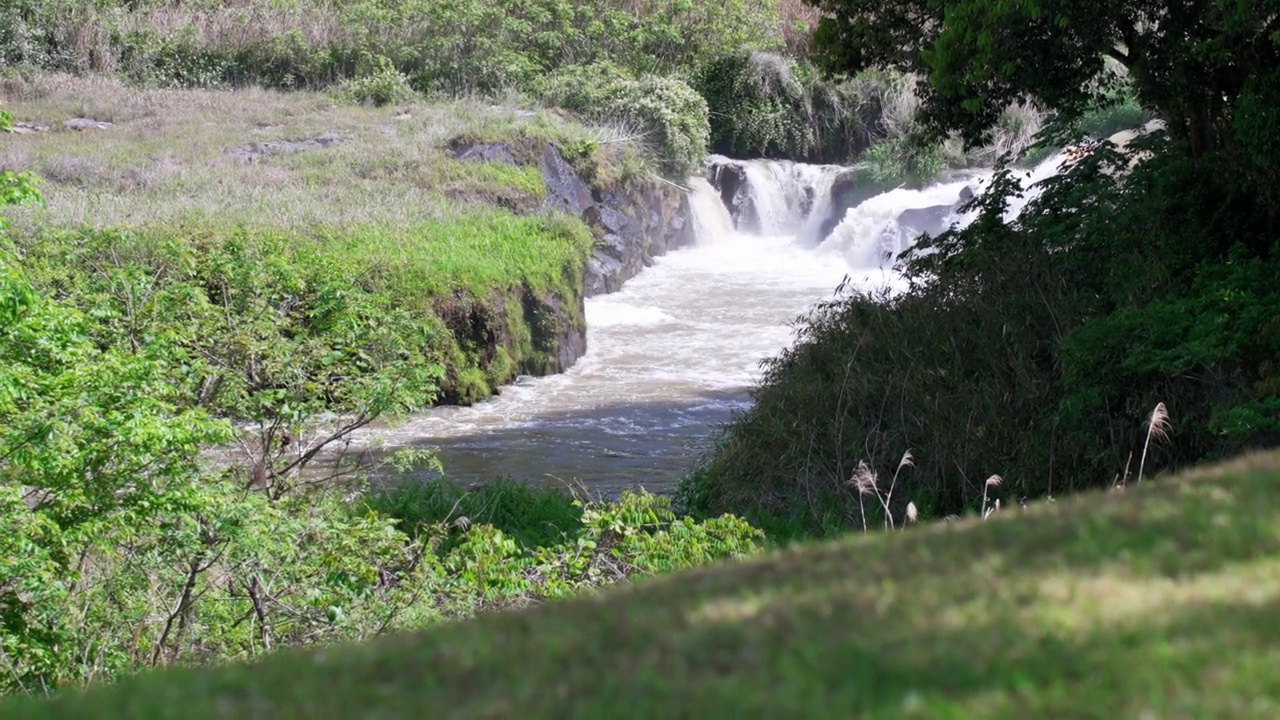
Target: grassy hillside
[
  {"x": 1158, "y": 602},
  {"x": 262, "y": 157}
]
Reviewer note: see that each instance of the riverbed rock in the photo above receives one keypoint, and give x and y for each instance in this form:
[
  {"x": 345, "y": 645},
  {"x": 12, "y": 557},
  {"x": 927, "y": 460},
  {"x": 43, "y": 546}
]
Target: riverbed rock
[{"x": 852, "y": 188}]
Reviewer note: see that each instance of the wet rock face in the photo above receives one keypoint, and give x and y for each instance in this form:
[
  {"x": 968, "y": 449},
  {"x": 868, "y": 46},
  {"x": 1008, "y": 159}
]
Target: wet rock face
[
  {"x": 730, "y": 178},
  {"x": 566, "y": 192},
  {"x": 635, "y": 225}
]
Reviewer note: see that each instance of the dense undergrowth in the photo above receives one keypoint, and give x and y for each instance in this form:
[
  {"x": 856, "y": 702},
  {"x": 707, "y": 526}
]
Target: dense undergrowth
[{"x": 680, "y": 78}]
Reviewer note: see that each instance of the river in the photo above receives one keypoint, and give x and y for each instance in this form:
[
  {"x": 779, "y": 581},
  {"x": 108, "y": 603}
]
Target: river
[{"x": 672, "y": 355}]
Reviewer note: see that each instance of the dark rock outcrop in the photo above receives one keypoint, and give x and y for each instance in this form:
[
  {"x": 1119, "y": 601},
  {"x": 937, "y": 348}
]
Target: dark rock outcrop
[
  {"x": 848, "y": 191},
  {"x": 931, "y": 220},
  {"x": 730, "y": 179},
  {"x": 635, "y": 225}
]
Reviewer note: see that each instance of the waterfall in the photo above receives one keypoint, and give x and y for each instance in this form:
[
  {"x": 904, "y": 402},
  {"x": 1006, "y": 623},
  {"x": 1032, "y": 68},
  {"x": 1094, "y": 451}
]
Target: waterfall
[
  {"x": 711, "y": 219},
  {"x": 796, "y": 200},
  {"x": 775, "y": 197}
]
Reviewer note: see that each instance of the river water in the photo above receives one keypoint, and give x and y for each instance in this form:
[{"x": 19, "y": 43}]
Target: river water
[{"x": 673, "y": 354}]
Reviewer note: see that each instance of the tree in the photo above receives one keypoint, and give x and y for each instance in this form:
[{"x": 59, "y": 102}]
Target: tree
[{"x": 1190, "y": 61}]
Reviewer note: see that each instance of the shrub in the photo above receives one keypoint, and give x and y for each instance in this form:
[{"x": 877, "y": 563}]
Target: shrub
[
  {"x": 381, "y": 84},
  {"x": 672, "y": 115},
  {"x": 759, "y": 107},
  {"x": 584, "y": 89}
]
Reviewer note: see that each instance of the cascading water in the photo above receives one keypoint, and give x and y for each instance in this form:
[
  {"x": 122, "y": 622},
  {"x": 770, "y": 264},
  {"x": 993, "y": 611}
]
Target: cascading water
[
  {"x": 711, "y": 219},
  {"x": 674, "y": 353},
  {"x": 779, "y": 197}
]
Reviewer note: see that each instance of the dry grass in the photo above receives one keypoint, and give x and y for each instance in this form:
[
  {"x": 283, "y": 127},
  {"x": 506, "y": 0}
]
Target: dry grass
[
  {"x": 170, "y": 155},
  {"x": 85, "y": 30},
  {"x": 798, "y": 21},
  {"x": 245, "y": 23},
  {"x": 865, "y": 482},
  {"x": 899, "y": 104},
  {"x": 1160, "y": 603},
  {"x": 1157, "y": 427}
]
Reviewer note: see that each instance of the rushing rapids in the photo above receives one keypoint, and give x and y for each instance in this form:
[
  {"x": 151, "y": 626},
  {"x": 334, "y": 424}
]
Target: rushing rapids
[{"x": 674, "y": 353}]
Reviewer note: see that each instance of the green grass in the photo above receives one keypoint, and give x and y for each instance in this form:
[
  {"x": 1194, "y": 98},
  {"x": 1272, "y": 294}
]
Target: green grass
[
  {"x": 172, "y": 156},
  {"x": 1157, "y": 602}
]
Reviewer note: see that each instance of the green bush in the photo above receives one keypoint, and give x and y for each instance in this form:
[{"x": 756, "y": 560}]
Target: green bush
[
  {"x": 381, "y": 84},
  {"x": 759, "y": 107},
  {"x": 668, "y": 115},
  {"x": 673, "y": 118},
  {"x": 584, "y": 89}
]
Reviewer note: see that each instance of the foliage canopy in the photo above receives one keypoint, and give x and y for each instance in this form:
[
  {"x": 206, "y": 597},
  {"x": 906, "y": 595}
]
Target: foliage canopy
[{"x": 1192, "y": 62}]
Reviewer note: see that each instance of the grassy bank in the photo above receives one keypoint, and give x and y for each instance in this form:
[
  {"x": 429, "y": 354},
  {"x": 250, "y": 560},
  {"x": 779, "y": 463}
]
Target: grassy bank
[
  {"x": 185, "y": 181},
  {"x": 1159, "y": 600}
]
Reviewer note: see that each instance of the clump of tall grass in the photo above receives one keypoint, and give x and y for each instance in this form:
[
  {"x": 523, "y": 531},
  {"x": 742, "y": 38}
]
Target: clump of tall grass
[
  {"x": 1157, "y": 427},
  {"x": 993, "y": 481},
  {"x": 865, "y": 482}
]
